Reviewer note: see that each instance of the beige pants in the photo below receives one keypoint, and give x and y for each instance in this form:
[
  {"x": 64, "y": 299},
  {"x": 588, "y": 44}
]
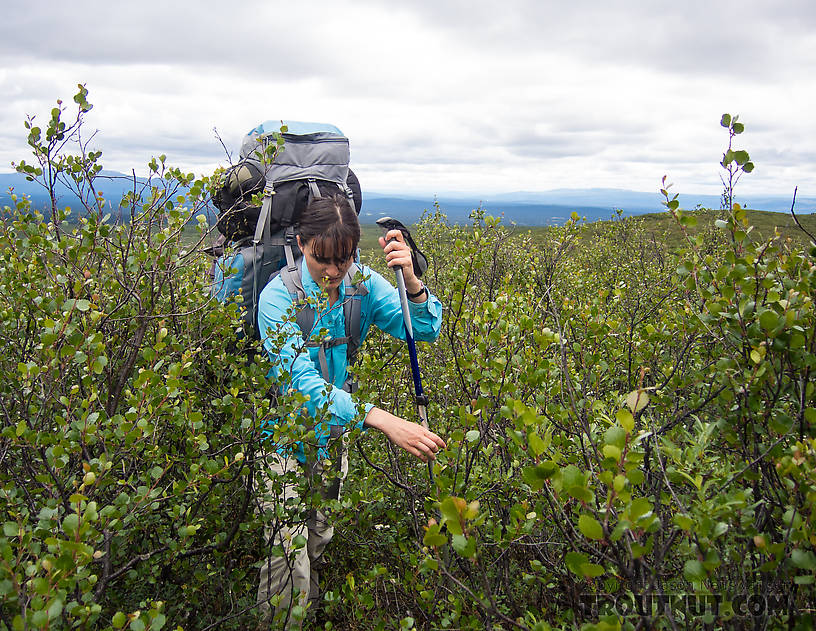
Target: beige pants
[{"x": 295, "y": 573}]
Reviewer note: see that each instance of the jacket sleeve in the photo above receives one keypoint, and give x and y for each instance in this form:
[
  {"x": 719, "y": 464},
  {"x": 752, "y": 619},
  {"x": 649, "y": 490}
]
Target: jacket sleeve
[
  {"x": 276, "y": 314},
  {"x": 386, "y": 311}
]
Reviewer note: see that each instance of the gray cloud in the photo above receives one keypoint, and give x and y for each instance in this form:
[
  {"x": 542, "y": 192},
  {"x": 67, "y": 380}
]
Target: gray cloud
[
  {"x": 696, "y": 36},
  {"x": 450, "y": 89}
]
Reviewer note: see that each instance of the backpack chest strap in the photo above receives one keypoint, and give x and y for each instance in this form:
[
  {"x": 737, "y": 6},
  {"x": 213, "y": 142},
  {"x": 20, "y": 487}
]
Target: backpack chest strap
[{"x": 321, "y": 354}]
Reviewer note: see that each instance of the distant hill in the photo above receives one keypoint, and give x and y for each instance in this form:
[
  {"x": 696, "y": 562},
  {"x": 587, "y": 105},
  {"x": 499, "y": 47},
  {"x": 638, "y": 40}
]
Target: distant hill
[
  {"x": 527, "y": 208},
  {"x": 409, "y": 210},
  {"x": 111, "y": 183},
  {"x": 549, "y": 207}
]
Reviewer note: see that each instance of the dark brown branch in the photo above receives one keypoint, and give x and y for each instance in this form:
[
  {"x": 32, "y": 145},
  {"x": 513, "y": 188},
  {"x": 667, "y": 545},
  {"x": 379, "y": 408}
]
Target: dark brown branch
[
  {"x": 796, "y": 219},
  {"x": 124, "y": 374}
]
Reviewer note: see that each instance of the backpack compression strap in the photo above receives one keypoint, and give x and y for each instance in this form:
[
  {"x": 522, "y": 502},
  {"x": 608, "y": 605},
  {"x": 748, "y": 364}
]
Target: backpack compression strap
[{"x": 352, "y": 314}]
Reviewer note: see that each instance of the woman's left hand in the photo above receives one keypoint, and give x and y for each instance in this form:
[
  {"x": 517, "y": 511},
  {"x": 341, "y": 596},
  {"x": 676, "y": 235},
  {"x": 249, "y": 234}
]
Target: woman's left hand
[{"x": 398, "y": 254}]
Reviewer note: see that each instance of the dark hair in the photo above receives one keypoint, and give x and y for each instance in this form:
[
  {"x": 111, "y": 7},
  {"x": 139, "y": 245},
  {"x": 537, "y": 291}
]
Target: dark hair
[{"x": 330, "y": 224}]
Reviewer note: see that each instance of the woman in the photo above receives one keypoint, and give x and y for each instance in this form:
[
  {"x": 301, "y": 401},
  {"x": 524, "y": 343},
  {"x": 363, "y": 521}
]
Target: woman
[{"x": 328, "y": 236}]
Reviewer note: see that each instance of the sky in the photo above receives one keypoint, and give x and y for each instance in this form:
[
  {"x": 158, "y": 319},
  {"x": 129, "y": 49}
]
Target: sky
[{"x": 436, "y": 96}]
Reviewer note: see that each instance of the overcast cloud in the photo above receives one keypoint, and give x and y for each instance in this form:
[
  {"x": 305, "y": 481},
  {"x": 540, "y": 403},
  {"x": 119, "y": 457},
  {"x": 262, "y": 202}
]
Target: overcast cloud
[{"x": 435, "y": 96}]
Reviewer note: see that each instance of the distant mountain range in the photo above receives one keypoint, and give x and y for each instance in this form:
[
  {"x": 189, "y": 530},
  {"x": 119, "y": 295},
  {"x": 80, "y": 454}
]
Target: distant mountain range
[
  {"x": 523, "y": 208},
  {"x": 555, "y": 207}
]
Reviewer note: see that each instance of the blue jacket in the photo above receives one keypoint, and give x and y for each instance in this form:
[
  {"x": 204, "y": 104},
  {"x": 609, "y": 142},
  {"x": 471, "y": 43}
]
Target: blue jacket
[{"x": 380, "y": 307}]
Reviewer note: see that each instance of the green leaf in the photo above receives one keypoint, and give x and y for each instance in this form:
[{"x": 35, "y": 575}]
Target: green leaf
[
  {"x": 626, "y": 420},
  {"x": 768, "y": 320},
  {"x": 738, "y": 128},
  {"x": 803, "y": 559},
  {"x": 70, "y": 524},
  {"x": 635, "y": 476},
  {"x": 464, "y": 546},
  {"x": 725, "y": 121},
  {"x": 611, "y": 451},
  {"x": 11, "y": 529},
  {"x": 450, "y": 509},
  {"x": 741, "y": 157},
  {"x": 472, "y": 436},
  {"x": 434, "y": 537},
  {"x": 590, "y": 527},
  {"x": 536, "y": 475},
  {"x": 575, "y": 561},
  {"x": 640, "y": 507},
  {"x": 693, "y": 570},
  {"x": 572, "y": 476},
  {"x": 683, "y": 521},
  {"x": 591, "y": 570},
  {"x": 119, "y": 619},
  {"x": 55, "y": 608},
  {"x": 99, "y": 364},
  {"x": 637, "y": 400},
  {"x": 575, "y": 483},
  {"x": 83, "y": 305},
  {"x": 536, "y": 443},
  {"x": 617, "y": 435}
]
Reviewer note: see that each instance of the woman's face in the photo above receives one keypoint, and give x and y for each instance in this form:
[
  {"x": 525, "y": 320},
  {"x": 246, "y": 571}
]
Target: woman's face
[{"x": 327, "y": 272}]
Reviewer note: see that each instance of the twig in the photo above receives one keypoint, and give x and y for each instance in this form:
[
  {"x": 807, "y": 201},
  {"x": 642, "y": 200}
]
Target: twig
[
  {"x": 796, "y": 219},
  {"x": 220, "y": 140},
  {"x": 393, "y": 481}
]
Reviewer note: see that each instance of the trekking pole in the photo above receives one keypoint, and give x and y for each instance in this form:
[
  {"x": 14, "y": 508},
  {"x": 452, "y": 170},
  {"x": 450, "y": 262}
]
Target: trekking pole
[{"x": 386, "y": 223}]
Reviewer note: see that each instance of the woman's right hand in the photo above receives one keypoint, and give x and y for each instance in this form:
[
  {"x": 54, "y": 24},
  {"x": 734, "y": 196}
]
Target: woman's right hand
[{"x": 412, "y": 437}]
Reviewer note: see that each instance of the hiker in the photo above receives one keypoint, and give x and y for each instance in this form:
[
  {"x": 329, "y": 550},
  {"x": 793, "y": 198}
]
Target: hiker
[{"x": 328, "y": 234}]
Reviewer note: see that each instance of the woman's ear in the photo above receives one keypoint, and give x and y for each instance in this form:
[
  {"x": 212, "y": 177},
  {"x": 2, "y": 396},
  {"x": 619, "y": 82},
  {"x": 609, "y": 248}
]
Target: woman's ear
[{"x": 299, "y": 243}]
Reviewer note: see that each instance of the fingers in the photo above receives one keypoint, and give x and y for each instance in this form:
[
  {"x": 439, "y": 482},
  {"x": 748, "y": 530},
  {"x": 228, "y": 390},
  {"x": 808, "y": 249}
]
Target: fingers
[
  {"x": 412, "y": 437},
  {"x": 392, "y": 236},
  {"x": 397, "y": 252},
  {"x": 424, "y": 444}
]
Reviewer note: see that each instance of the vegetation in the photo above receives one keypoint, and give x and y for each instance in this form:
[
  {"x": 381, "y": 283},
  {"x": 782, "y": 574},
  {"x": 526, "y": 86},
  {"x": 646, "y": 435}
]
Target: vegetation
[{"x": 631, "y": 427}]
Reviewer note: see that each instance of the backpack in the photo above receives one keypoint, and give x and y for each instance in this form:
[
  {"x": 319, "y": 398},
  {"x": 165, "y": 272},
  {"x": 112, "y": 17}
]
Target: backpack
[{"x": 311, "y": 162}]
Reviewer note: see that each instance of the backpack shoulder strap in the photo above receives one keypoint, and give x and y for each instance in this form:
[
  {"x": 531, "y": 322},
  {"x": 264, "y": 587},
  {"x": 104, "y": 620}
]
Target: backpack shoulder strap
[
  {"x": 292, "y": 277},
  {"x": 352, "y": 311}
]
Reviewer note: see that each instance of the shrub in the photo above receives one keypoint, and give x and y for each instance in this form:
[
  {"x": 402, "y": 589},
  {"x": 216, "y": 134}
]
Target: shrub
[{"x": 624, "y": 424}]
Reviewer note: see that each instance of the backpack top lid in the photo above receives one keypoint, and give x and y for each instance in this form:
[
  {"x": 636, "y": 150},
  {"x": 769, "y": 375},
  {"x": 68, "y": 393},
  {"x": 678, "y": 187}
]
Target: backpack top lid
[
  {"x": 261, "y": 135},
  {"x": 296, "y": 128},
  {"x": 318, "y": 151}
]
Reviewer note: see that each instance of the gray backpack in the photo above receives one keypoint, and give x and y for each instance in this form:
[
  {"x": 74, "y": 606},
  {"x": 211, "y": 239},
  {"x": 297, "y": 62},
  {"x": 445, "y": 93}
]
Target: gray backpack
[{"x": 311, "y": 161}]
